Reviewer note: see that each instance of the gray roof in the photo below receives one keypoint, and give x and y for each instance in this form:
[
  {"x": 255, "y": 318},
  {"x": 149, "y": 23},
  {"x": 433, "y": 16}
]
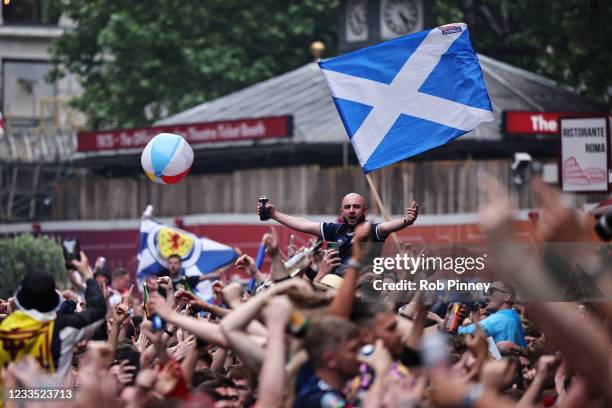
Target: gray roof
[{"x": 304, "y": 94}]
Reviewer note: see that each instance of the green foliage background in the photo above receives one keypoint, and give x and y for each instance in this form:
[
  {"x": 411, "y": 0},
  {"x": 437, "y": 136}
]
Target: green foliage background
[
  {"x": 25, "y": 253},
  {"x": 565, "y": 40},
  {"x": 173, "y": 54},
  {"x": 164, "y": 56}
]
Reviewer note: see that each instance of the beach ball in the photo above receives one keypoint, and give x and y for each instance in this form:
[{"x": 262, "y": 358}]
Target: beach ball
[{"x": 167, "y": 158}]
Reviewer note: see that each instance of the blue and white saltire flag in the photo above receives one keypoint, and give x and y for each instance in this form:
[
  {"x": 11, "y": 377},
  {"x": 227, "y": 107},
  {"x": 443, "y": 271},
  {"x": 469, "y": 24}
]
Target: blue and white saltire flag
[
  {"x": 408, "y": 95},
  {"x": 200, "y": 255}
]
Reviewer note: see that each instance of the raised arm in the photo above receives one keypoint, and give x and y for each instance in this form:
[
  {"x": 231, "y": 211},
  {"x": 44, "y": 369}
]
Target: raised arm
[
  {"x": 206, "y": 331},
  {"x": 384, "y": 229},
  {"x": 234, "y": 327},
  {"x": 89, "y": 319},
  {"x": 342, "y": 305},
  {"x": 295, "y": 223},
  {"x": 272, "y": 378},
  {"x": 247, "y": 264},
  {"x": 78, "y": 286}
]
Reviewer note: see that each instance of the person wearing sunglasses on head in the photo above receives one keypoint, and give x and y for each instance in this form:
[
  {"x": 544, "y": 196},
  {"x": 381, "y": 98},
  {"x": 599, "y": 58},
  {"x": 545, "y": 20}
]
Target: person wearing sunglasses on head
[{"x": 503, "y": 322}]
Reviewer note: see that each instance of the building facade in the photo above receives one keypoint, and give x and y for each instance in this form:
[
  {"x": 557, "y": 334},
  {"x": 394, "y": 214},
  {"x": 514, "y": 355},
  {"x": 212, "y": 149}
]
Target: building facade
[{"x": 27, "y": 99}]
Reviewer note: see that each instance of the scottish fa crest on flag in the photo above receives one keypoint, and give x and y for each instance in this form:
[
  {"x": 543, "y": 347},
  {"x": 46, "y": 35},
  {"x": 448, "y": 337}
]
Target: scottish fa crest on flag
[
  {"x": 199, "y": 255},
  {"x": 408, "y": 95}
]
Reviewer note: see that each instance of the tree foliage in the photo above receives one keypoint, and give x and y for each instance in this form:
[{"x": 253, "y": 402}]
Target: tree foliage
[
  {"x": 25, "y": 253},
  {"x": 169, "y": 55},
  {"x": 566, "y": 40},
  {"x": 140, "y": 60}
]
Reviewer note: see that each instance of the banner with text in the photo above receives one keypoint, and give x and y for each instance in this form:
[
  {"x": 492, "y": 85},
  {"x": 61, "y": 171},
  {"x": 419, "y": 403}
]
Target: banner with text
[
  {"x": 194, "y": 133},
  {"x": 536, "y": 123}
]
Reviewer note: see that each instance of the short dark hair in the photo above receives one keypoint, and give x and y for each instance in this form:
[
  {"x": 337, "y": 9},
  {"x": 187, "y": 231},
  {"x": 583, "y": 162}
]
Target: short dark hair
[
  {"x": 364, "y": 312},
  {"x": 203, "y": 376},
  {"x": 175, "y": 256},
  {"x": 326, "y": 334},
  {"x": 238, "y": 373},
  {"x": 211, "y": 385},
  {"x": 120, "y": 272}
]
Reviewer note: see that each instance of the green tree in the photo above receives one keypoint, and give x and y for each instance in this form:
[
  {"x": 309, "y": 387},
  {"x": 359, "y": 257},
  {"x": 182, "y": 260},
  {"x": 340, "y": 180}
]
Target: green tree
[
  {"x": 169, "y": 55},
  {"x": 25, "y": 253},
  {"x": 565, "y": 40}
]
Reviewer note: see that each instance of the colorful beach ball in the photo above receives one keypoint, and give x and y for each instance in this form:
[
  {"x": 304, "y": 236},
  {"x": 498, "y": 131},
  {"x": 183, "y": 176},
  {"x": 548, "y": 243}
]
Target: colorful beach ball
[{"x": 167, "y": 158}]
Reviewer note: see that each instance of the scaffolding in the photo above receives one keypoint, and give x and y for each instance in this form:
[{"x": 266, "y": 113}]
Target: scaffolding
[
  {"x": 31, "y": 162},
  {"x": 34, "y": 157}
]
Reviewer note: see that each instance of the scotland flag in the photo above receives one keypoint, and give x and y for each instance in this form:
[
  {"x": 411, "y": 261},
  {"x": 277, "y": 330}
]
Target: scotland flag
[
  {"x": 200, "y": 255},
  {"x": 406, "y": 96}
]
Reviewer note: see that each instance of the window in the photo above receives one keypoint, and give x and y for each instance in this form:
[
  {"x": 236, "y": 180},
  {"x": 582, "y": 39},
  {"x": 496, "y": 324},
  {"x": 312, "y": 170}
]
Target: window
[
  {"x": 24, "y": 87},
  {"x": 29, "y": 12}
]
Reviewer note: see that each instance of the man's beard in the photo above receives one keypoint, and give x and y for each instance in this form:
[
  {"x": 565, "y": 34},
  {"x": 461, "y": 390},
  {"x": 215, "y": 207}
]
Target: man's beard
[{"x": 359, "y": 220}]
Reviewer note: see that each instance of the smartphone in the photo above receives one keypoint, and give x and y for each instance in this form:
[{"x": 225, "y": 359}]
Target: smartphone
[
  {"x": 334, "y": 245},
  {"x": 157, "y": 323},
  {"x": 72, "y": 251}
]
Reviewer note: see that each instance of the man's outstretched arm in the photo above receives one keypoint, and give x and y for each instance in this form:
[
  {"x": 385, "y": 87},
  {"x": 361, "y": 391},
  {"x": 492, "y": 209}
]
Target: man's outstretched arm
[
  {"x": 295, "y": 223},
  {"x": 384, "y": 229}
]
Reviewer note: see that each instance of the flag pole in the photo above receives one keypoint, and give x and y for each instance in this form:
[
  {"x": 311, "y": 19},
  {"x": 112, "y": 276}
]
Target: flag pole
[{"x": 382, "y": 208}]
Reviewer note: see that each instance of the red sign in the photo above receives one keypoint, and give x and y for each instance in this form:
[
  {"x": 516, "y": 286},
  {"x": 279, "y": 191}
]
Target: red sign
[
  {"x": 529, "y": 123},
  {"x": 194, "y": 133}
]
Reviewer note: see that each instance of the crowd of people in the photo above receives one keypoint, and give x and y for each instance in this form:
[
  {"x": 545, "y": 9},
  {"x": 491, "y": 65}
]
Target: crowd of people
[{"x": 308, "y": 334}]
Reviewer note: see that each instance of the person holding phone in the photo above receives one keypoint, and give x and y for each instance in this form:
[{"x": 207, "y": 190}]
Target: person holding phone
[
  {"x": 353, "y": 212},
  {"x": 37, "y": 329}
]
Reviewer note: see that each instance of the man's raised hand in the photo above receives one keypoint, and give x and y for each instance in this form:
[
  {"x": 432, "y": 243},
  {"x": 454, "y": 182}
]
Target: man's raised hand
[
  {"x": 185, "y": 295},
  {"x": 558, "y": 223},
  {"x": 269, "y": 207},
  {"x": 165, "y": 283},
  {"x": 496, "y": 211},
  {"x": 83, "y": 266},
  {"x": 158, "y": 305},
  {"x": 120, "y": 314},
  {"x": 380, "y": 360},
  {"x": 246, "y": 263},
  {"x": 271, "y": 242},
  {"x": 412, "y": 213},
  {"x": 331, "y": 260}
]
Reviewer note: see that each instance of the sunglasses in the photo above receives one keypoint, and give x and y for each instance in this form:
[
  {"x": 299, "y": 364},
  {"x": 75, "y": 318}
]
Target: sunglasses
[{"x": 491, "y": 291}]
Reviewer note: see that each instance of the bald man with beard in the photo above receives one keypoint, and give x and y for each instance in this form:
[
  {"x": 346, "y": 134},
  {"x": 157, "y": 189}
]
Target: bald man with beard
[{"x": 353, "y": 212}]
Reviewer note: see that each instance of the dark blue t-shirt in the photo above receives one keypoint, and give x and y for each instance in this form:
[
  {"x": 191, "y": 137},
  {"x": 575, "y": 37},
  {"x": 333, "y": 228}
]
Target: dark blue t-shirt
[
  {"x": 343, "y": 235},
  {"x": 313, "y": 392}
]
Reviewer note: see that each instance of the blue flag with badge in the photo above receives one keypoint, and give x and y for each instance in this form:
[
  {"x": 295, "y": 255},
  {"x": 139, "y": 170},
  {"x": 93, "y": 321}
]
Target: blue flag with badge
[
  {"x": 199, "y": 255},
  {"x": 408, "y": 95}
]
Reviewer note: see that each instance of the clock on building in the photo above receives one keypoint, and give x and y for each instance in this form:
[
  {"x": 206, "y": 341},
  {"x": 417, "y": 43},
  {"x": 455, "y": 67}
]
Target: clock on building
[
  {"x": 367, "y": 22},
  {"x": 400, "y": 17},
  {"x": 356, "y": 20}
]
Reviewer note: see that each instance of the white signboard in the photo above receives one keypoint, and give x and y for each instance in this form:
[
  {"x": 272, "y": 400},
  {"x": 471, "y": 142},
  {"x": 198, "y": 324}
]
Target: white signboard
[{"x": 584, "y": 154}]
